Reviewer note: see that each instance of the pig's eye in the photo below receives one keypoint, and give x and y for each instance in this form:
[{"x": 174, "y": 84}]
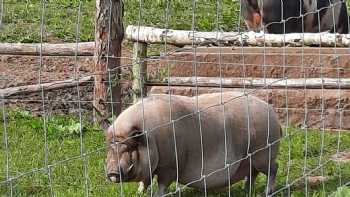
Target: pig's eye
[
  {"x": 136, "y": 137},
  {"x": 136, "y": 133},
  {"x": 115, "y": 141}
]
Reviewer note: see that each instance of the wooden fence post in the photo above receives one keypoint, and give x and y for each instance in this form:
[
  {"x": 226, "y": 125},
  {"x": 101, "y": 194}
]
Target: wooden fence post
[
  {"x": 109, "y": 34},
  {"x": 139, "y": 70}
]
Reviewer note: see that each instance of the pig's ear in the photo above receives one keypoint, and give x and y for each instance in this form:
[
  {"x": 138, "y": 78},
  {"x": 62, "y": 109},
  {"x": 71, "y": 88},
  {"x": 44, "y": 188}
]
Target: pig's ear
[
  {"x": 105, "y": 124},
  {"x": 104, "y": 121}
]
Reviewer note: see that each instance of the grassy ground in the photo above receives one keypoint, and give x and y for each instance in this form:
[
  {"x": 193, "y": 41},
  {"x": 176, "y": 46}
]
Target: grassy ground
[
  {"x": 26, "y": 147},
  {"x": 26, "y": 152},
  {"x": 22, "y": 18}
]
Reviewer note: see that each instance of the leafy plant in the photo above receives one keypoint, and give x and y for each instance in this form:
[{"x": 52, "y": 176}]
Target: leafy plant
[{"x": 342, "y": 192}]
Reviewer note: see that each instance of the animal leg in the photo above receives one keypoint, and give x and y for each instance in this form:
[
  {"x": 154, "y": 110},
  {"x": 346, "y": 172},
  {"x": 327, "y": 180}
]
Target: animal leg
[
  {"x": 161, "y": 190},
  {"x": 164, "y": 180},
  {"x": 249, "y": 184},
  {"x": 272, "y": 177}
]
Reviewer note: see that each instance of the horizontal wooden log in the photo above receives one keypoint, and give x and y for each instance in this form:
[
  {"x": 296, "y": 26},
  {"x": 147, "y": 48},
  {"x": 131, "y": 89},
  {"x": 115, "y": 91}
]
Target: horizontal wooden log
[
  {"x": 4, "y": 93},
  {"x": 181, "y": 38},
  {"x": 309, "y": 83},
  {"x": 66, "y": 49},
  {"x": 185, "y": 37}
]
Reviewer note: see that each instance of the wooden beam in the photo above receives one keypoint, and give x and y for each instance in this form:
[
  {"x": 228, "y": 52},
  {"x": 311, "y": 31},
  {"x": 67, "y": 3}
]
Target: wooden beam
[
  {"x": 187, "y": 37},
  {"x": 109, "y": 34},
  {"x": 309, "y": 83},
  {"x": 139, "y": 70},
  {"x": 181, "y": 38},
  {"x": 7, "y": 92},
  {"x": 66, "y": 49}
]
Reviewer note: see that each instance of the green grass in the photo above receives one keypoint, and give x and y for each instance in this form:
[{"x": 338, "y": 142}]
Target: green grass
[
  {"x": 26, "y": 151},
  {"x": 22, "y": 18},
  {"x": 342, "y": 192}
]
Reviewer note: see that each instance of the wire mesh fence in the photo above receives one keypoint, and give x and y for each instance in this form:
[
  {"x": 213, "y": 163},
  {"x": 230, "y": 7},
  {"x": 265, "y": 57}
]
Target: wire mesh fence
[{"x": 170, "y": 144}]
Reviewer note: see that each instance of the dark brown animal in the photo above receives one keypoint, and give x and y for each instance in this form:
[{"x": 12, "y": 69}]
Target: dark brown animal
[{"x": 295, "y": 16}]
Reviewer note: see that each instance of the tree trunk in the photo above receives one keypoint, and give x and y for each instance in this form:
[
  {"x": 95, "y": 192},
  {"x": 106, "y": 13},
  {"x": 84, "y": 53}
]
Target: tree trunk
[{"x": 109, "y": 34}]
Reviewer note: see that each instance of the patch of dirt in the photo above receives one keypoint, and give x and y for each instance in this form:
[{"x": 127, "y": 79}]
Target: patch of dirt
[
  {"x": 254, "y": 62},
  {"x": 312, "y": 181},
  {"x": 341, "y": 157},
  {"x": 316, "y": 180},
  {"x": 30, "y": 70},
  {"x": 27, "y": 70}
]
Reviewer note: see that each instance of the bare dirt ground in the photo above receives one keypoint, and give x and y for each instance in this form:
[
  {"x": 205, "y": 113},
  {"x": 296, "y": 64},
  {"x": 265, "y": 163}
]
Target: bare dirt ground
[
  {"x": 25, "y": 70},
  {"x": 30, "y": 70}
]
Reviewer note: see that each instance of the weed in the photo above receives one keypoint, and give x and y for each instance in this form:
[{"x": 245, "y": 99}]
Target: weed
[{"x": 342, "y": 192}]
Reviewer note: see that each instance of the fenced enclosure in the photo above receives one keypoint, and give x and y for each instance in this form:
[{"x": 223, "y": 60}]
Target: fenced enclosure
[{"x": 66, "y": 66}]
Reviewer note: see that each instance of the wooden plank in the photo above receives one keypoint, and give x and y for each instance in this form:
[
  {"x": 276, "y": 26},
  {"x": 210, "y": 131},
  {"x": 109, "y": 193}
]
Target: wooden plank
[
  {"x": 7, "y": 92},
  {"x": 309, "y": 83},
  {"x": 66, "y": 49},
  {"x": 188, "y": 37}
]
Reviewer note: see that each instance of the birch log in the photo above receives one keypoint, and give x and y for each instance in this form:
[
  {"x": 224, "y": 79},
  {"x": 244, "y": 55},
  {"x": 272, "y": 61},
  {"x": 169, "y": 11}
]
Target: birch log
[
  {"x": 185, "y": 37},
  {"x": 310, "y": 83},
  {"x": 66, "y": 49},
  {"x": 4, "y": 93}
]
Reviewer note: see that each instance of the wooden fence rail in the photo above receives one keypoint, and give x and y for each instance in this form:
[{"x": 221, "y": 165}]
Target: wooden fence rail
[{"x": 142, "y": 36}]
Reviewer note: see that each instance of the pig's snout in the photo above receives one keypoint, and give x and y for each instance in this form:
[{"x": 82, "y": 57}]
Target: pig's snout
[
  {"x": 114, "y": 176},
  {"x": 119, "y": 174},
  {"x": 115, "y": 173}
]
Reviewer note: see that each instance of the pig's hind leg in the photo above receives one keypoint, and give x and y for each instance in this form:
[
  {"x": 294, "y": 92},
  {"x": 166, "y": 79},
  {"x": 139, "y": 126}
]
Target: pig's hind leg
[
  {"x": 270, "y": 174},
  {"x": 250, "y": 180},
  {"x": 272, "y": 178},
  {"x": 165, "y": 178}
]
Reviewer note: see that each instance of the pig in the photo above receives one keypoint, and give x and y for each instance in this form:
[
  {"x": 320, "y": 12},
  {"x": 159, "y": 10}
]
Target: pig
[
  {"x": 268, "y": 15},
  {"x": 184, "y": 139}
]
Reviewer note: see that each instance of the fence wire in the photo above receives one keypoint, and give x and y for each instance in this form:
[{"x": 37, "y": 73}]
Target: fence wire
[{"x": 314, "y": 161}]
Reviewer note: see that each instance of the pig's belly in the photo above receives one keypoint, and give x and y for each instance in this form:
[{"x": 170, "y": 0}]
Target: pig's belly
[{"x": 219, "y": 179}]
